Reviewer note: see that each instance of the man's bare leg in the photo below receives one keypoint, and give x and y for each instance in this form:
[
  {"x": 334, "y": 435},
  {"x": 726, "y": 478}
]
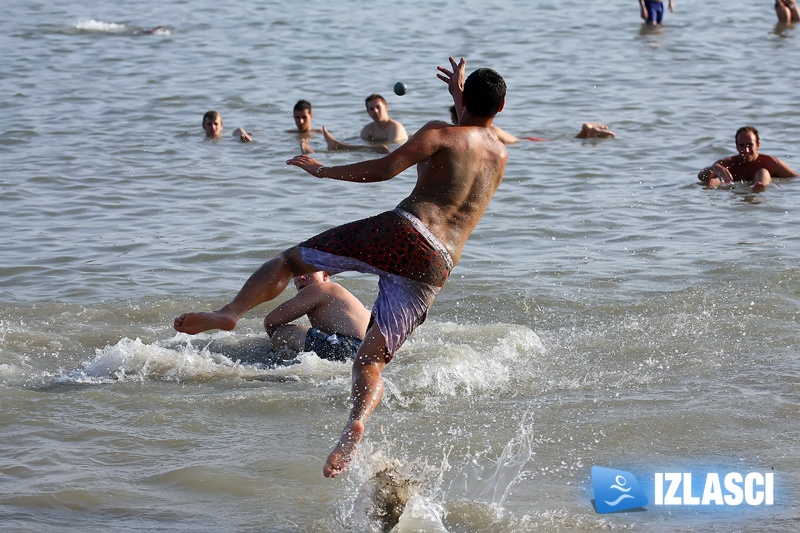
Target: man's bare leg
[
  {"x": 335, "y": 144},
  {"x": 264, "y": 284},
  {"x": 290, "y": 335},
  {"x": 785, "y": 11},
  {"x": 367, "y": 392}
]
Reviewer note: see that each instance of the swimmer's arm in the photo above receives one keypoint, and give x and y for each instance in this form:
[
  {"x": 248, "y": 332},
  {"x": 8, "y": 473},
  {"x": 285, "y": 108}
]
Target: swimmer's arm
[
  {"x": 305, "y": 301},
  {"x": 705, "y": 174},
  {"x": 242, "y": 134},
  {"x": 419, "y": 147},
  {"x": 715, "y": 170},
  {"x": 779, "y": 169}
]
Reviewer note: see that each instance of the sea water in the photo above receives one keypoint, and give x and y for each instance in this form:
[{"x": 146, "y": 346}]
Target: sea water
[{"x": 607, "y": 310}]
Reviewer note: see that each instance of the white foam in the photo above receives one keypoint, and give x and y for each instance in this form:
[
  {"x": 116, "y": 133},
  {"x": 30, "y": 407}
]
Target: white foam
[
  {"x": 200, "y": 358},
  {"x": 457, "y": 360},
  {"x": 97, "y": 25},
  {"x": 420, "y": 514}
]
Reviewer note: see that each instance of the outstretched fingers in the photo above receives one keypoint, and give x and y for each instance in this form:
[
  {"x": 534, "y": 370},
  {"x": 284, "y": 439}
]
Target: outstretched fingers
[
  {"x": 309, "y": 164},
  {"x": 448, "y": 76}
]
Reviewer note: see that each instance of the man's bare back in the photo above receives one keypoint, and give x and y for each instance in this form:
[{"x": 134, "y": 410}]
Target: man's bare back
[{"x": 456, "y": 183}]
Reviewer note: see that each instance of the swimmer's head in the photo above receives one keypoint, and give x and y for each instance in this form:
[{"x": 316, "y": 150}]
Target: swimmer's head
[
  {"x": 212, "y": 124},
  {"x": 311, "y": 278},
  {"x": 748, "y": 142},
  {"x": 302, "y": 115},
  {"x": 377, "y": 108}
]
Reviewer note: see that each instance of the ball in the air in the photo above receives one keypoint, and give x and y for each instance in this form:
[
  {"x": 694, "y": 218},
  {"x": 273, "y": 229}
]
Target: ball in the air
[{"x": 400, "y": 88}]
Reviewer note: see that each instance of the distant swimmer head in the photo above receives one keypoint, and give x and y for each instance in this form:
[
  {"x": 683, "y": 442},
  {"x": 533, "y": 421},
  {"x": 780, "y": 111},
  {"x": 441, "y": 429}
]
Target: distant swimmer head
[
  {"x": 157, "y": 30},
  {"x": 212, "y": 124}
]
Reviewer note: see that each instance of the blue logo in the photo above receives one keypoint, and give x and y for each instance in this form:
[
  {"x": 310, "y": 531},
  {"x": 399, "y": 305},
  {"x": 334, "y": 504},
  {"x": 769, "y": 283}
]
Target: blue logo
[{"x": 616, "y": 490}]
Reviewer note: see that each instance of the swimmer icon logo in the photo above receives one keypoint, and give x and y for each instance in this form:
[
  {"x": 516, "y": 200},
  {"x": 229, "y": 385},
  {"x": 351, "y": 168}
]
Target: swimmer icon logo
[{"x": 616, "y": 490}]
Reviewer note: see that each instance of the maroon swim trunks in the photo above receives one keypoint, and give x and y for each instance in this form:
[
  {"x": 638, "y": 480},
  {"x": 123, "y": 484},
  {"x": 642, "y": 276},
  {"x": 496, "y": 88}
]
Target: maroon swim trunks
[
  {"x": 410, "y": 262},
  {"x": 390, "y": 242}
]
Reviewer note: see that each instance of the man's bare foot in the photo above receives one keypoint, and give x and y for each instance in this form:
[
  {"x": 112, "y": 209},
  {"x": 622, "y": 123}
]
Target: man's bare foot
[
  {"x": 759, "y": 186},
  {"x": 194, "y": 323},
  {"x": 345, "y": 449},
  {"x": 333, "y": 142},
  {"x": 595, "y": 130}
]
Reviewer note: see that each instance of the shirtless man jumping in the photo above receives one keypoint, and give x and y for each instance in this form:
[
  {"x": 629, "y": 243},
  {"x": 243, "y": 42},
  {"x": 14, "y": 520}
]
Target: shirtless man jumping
[
  {"x": 459, "y": 168},
  {"x": 747, "y": 165}
]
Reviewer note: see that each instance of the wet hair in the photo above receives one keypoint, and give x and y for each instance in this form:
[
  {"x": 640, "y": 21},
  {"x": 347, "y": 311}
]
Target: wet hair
[
  {"x": 212, "y": 116},
  {"x": 374, "y": 97},
  {"x": 453, "y": 114},
  {"x": 302, "y": 105},
  {"x": 484, "y": 92},
  {"x": 746, "y": 129}
]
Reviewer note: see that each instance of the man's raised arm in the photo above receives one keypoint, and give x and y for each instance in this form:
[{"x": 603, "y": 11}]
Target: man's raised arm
[{"x": 455, "y": 82}]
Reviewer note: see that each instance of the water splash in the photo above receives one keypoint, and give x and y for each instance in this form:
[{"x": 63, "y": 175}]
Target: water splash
[
  {"x": 489, "y": 481},
  {"x": 404, "y": 496}
]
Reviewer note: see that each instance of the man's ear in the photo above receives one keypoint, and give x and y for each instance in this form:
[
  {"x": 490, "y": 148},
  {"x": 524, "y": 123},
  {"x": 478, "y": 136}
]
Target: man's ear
[{"x": 502, "y": 105}]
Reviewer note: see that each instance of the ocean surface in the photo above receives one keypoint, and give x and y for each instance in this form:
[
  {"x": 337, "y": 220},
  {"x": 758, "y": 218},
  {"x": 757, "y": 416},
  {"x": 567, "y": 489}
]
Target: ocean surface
[{"x": 607, "y": 311}]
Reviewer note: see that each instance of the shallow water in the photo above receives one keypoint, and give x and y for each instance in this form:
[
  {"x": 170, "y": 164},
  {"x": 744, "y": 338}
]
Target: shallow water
[{"x": 607, "y": 310}]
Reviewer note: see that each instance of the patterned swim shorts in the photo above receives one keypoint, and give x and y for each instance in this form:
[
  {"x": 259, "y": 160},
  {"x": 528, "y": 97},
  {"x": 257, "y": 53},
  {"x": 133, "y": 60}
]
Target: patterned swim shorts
[{"x": 411, "y": 264}]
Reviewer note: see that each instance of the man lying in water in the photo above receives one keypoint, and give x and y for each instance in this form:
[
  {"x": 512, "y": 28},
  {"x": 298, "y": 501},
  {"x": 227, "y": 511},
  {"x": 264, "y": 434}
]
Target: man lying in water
[{"x": 338, "y": 319}]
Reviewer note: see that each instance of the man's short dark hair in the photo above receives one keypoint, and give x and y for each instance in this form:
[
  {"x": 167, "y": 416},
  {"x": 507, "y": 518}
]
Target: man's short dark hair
[
  {"x": 484, "y": 92},
  {"x": 372, "y": 97},
  {"x": 302, "y": 105},
  {"x": 746, "y": 129}
]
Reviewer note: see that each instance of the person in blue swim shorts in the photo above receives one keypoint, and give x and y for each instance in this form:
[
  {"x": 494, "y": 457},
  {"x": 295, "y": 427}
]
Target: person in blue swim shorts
[
  {"x": 338, "y": 319},
  {"x": 652, "y": 11}
]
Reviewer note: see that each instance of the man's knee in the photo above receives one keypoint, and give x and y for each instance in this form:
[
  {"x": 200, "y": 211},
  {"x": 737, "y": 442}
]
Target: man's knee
[
  {"x": 372, "y": 350},
  {"x": 763, "y": 175},
  {"x": 294, "y": 260}
]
